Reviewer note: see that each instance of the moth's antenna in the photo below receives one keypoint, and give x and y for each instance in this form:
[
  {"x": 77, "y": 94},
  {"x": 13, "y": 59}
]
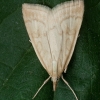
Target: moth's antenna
[
  {"x": 41, "y": 86},
  {"x": 69, "y": 87}
]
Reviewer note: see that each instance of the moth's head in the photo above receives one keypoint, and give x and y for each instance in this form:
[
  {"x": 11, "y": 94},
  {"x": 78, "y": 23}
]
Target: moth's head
[
  {"x": 54, "y": 80},
  {"x": 54, "y": 86}
]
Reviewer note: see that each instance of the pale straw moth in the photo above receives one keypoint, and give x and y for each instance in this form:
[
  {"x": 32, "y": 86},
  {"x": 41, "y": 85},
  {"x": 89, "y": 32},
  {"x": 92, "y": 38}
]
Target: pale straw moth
[{"x": 53, "y": 34}]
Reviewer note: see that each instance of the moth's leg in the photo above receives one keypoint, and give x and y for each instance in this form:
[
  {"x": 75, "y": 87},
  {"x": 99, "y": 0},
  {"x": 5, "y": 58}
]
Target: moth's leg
[
  {"x": 41, "y": 86},
  {"x": 65, "y": 70},
  {"x": 69, "y": 87},
  {"x": 30, "y": 41}
]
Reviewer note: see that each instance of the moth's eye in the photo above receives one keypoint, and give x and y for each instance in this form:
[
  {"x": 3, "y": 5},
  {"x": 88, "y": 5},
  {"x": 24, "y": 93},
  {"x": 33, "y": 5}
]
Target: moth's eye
[{"x": 57, "y": 79}]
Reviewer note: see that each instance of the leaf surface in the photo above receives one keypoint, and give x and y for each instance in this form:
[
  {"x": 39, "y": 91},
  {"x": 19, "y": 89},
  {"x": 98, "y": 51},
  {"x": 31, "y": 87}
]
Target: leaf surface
[{"x": 21, "y": 73}]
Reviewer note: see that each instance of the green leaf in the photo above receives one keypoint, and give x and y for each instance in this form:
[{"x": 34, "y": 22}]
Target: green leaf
[{"x": 21, "y": 73}]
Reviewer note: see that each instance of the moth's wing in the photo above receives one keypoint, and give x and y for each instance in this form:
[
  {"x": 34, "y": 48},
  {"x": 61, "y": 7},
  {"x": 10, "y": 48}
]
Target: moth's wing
[
  {"x": 69, "y": 18},
  {"x": 35, "y": 18}
]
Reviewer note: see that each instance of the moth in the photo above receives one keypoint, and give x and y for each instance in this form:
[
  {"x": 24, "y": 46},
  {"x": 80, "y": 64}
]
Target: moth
[{"x": 53, "y": 34}]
